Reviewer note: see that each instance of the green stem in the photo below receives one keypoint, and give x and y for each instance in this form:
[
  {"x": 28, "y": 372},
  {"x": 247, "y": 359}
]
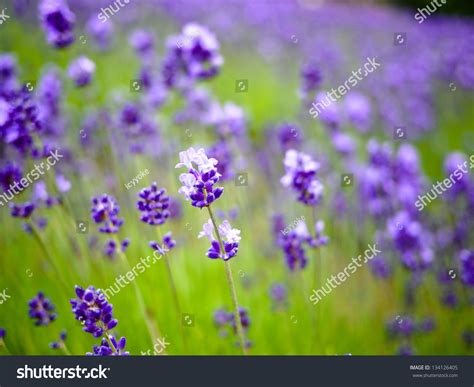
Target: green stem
[
  {"x": 230, "y": 280},
  {"x": 38, "y": 238},
  {"x": 65, "y": 350},
  {"x": 170, "y": 276},
  {"x": 4, "y": 345},
  {"x": 173, "y": 290},
  {"x": 150, "y": 324}
]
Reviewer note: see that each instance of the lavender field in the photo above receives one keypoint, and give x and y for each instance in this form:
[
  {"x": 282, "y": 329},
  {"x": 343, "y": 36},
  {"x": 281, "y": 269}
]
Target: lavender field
[{"x": 235, "y": 177}]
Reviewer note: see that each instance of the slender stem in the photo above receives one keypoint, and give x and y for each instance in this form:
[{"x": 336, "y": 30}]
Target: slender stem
[
  {"x": 150, "y": 324},
  {"x": 170, "y": 275},
  {"x": 173, "y": 290},
  {"x": 230, "y": 280},
  {"x": 65, "y": 350},
  {"x": 317, "y": 277},
  {"x": 4, "y": 345},
  {"x": 38, "y": 238}
]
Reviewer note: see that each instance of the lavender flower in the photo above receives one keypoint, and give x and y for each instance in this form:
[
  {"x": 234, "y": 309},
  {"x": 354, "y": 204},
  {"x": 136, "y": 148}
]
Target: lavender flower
[
  {"x": 224, "y": 320},
  {"x": 111, "y": 247},
  {"x": 8, "y": 80},
  {"x": 411, "y": 241},
  {"x": 137, "y": 125},
  {"x": 142, "y": 42},
  {"x": 320, "y": 239},
  {"x": 293, "y": 244},
  {"x": 193, "y": 55},
  {"x": 22, "y": 210},
  {"x": 380, "y": 267},
  {"x": 278, "y": 294},
  {"x": 451, "y": 164},
  {"x": 60, "y": 343},
  {"x": 104, "y": 348},
  {"x": 358, "y": 110},
  {"x": 105, "y": 211},
  {"x": 58, "y": 22},
  {"x": 3, "y": 333},
  {"x": 41, "y": 309},
  {"x": 311, "y": 78},
  {"x": 229, "y": 120},
  {"x": 467, "y": 265},
  {"x": 290, "y": 136},
  {"x": 102, "y": 33},
  {"x": 221, "y": 151},
  {"x": 198, "y": 183},
  {"x": 81, "y": 71},
  {"x": 229, "y": 236},
  {"x": 10, "y": 174},
  {"x": 153, "y": 205},
  {"x": 166, "y": 245},
  {"x": 93, "y": 310},
  {"x": 20, "y": 122},
  {"x": 301, "y": 171}
]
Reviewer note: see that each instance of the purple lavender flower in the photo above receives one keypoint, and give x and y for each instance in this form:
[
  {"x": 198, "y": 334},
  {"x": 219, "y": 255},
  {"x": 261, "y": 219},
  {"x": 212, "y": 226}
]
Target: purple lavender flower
[
  {"x": 380, "y": 267},
  {"x": 105, "y": 211},
  {"x": 166, "y": 245},
  {"x": 411, "y": 241},
  {"x": 9, "y": 174},
  {"x": 137, "y": 125},
  {"x": 449, "y": 299},
  {"x": 142, "y": 42},
  {"x": 290, "y": 136},
  {"x": 467, "y": 266},
  {"x": 229, "y": 236},
  {"x": 193, "y": 55},
  {"x": 8, "y": 80},
  {"x": 49, "y": 94},
  {"x": 403, "y": 326},
  {"x": 20, "y": 122},
  {"x": 58, "y": 22},
  {"x": 41, "y": 309},
  {"x": 427, "y": 325},
  {"x": 311, "y": 78},
  {"x": 405, "y": 350},
  {"x": 175, "y": 208},
  {"x": 221, "y": 151},
  {"x": 244, "y": 318},
  {"x": 229, "y": 119},
  {"x": 22, "y": 210},
  {"x": 221, "y": 317},
  {"x": 454, "y": 162},
  {"x": 81, "y": 71},
  {"x": 343, "y": 143},
  {"x": 319, "y": 239},
  {"x": 3, "y": 333},
  {"x": 198, "y": 183},
  {"x": 111, "y": 247},
  {"x": 153, "y": 205},
  {"x": 93, "y": 310},
  {"x": 293, "y": 243},
  {"x": 278, "y": 294},
  {"x": 102, "y": 33},
  {"x": 359, "y": 111},
  {"x": 301, "y": 171},
  {"x": 104, "y": 348},
  {"x": 60, "y": 343}
]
